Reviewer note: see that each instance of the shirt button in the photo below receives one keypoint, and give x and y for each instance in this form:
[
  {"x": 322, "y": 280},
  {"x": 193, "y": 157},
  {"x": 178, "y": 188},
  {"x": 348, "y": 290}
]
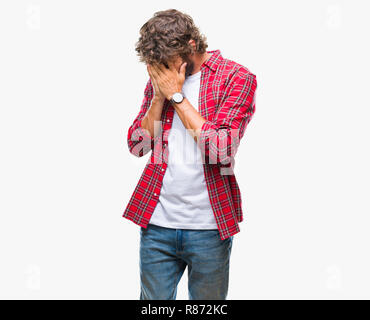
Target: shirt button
[
  {"x": 155, "y": 194},
  {"x": 168, "y": 120},
  {"x": 162, "y": 169}
]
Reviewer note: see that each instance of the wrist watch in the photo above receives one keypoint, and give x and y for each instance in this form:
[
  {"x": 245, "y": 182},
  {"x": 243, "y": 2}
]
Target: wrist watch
[{"x": 177, "y": 97}]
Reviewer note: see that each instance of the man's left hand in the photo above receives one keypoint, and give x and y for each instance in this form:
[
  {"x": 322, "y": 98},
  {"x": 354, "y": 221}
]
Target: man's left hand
[{"x": 168, "y": 80}]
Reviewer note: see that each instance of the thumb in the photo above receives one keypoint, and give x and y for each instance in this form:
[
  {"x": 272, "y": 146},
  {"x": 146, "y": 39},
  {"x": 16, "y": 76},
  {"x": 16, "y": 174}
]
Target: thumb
[{"x": 182, "y": 68}]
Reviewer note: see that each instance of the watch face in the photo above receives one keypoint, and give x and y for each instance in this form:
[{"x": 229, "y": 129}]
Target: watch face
[{"x": 177, "y": 97}]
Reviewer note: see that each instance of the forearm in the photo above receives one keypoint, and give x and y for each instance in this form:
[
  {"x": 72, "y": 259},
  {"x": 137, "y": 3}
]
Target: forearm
[
  {"x": 153, "y": 114},
  {"x": 190, "y": 117},
  {"x": 217, "y": 144}
]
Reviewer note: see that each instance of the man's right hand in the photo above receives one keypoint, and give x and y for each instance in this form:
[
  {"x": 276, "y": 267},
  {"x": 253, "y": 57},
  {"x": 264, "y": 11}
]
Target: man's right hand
[
  {"x": 157, "y": 95},
  {"x": 155, "y": 111}
]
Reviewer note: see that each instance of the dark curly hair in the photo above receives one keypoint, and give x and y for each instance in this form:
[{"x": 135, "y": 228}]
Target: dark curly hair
[{"x": 166, "y": 35}]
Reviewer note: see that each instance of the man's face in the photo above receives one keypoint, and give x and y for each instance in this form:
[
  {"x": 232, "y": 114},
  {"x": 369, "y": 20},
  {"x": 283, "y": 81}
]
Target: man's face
[{"x": 178, "y": 61}]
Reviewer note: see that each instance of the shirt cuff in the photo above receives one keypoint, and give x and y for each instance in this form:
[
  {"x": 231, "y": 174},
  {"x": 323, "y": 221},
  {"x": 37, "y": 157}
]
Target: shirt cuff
[{"x": 142, "y": 134}]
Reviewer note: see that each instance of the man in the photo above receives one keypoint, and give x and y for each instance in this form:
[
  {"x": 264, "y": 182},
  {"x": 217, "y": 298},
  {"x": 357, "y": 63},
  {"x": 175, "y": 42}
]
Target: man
[{"x": 196, "y": 105}]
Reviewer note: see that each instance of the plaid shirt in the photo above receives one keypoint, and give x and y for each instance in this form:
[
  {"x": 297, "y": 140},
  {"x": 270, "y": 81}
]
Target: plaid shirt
[{"x": 227, "y": 103}]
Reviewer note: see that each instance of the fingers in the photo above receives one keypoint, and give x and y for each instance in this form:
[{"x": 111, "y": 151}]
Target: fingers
[
  {"x": 151, "y": 75},
  {"x": 150, "y": 71},
  {"x": 171, "y": 65},
  {"x": 156, "y": 69},
  {"x": 153, "y": 71},
  {"x": 183, "y": 68},
  {"x": 153, "y": 80}
]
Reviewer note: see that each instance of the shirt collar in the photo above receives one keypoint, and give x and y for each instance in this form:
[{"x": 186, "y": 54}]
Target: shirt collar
[{"x": 213, "y": 61}]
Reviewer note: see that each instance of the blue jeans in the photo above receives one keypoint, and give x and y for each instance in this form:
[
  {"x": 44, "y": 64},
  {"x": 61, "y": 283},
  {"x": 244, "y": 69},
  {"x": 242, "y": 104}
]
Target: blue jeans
[{"x": 165, "y": 253}]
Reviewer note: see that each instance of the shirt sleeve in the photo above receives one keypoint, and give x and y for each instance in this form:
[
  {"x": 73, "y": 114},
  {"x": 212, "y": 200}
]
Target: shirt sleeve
[
  {"x": 220, "y": 138},
  {"x": 139, "y": 140}
]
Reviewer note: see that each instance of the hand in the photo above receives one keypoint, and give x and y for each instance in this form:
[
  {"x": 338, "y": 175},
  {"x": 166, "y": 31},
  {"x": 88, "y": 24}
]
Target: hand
[
  {"x": 169, "y": 80},
  {"x": 157, "y": 95}
]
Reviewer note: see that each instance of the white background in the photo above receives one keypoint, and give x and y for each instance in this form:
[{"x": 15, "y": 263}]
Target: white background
[{"x": 71, "y": 85}]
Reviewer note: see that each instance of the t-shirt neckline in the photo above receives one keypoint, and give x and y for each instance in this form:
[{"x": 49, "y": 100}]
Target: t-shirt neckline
[{"x": 194, "y": 76}]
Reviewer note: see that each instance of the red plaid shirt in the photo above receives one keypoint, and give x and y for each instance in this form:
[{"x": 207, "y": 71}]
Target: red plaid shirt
[{"x": 227, "y": 103}]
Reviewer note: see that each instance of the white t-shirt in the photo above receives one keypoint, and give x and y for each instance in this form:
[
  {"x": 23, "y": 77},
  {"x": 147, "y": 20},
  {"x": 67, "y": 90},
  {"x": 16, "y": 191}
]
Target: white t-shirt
[{"x": 184, "y": 201}]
